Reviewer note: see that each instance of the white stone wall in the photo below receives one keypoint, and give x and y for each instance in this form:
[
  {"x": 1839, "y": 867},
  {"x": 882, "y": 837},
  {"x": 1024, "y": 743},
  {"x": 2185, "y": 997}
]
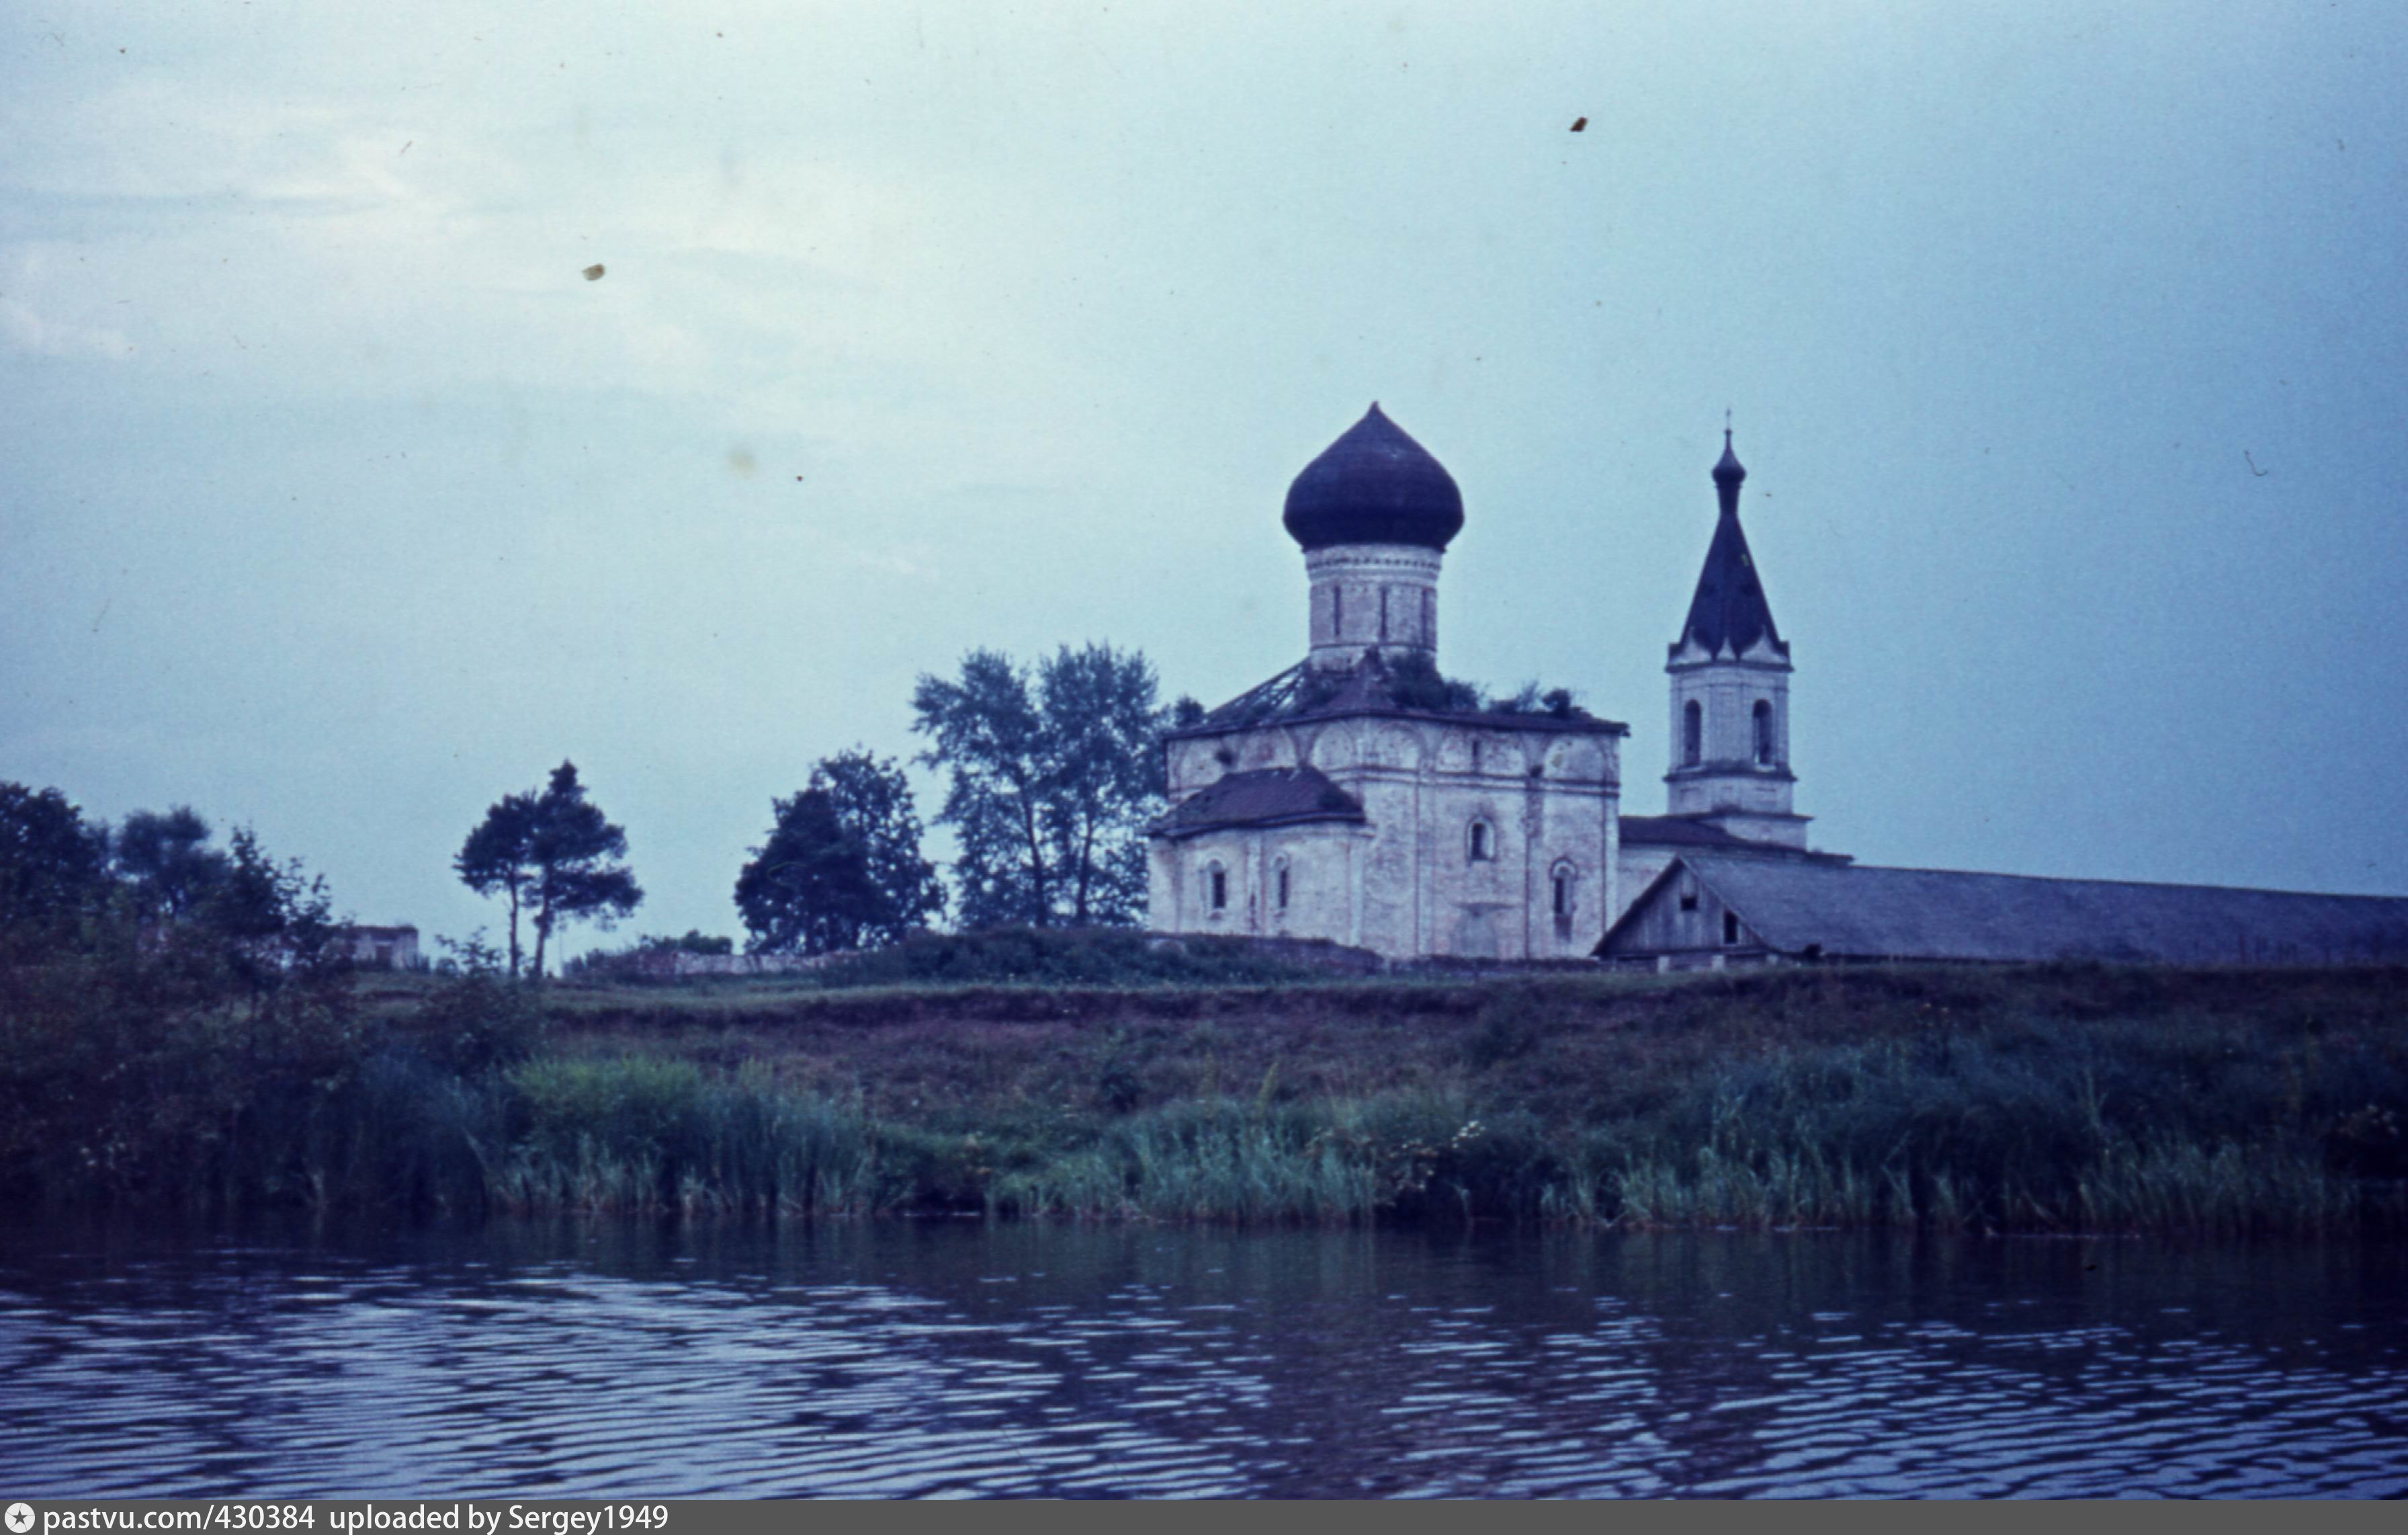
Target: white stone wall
[
  {"x": 1637, "y": 869},
  {"x": 1410, "y": 880},
  {"x": 1367, "y": 596},
  {"x": 1322, "y": 861},
  {"x": 1727, "y": 777}
]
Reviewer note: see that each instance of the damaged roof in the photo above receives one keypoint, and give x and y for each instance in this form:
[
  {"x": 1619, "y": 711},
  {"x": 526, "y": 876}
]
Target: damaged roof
[{"x": 1378, "y": 685}]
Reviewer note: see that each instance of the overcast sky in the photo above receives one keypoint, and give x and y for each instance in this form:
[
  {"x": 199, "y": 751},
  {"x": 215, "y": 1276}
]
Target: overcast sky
[{"x": 2065, "y": 346}]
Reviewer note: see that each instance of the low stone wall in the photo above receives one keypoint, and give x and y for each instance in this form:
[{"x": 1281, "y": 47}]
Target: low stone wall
[{"x": 678, "y": 963}]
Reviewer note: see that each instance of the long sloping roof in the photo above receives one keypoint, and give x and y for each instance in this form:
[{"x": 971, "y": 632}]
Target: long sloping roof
[
  {"x": 1265, "y": 796},
  {"x": 1852, "y": 911},
  {"x": 1688, "y": 831}
]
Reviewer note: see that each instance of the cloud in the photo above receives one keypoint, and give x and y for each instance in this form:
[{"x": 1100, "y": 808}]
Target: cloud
[{"x": 24, "y": 331}]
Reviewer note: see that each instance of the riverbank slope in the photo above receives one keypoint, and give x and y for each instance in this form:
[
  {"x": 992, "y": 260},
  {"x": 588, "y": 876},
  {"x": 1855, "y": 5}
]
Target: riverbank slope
[{"x": 2050, "y": 1097}]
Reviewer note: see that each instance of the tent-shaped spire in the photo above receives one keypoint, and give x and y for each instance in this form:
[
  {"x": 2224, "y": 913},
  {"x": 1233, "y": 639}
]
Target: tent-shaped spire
[{"x": 1729, "y": 609}]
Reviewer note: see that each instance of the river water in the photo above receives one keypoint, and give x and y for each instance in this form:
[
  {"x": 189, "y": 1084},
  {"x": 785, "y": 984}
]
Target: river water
[{"x": 957, "y": 1358}]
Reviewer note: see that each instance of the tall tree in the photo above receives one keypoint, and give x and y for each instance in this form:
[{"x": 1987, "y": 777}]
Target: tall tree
[
  {"x": 574, "y": 852},
  {"x": 167, "y": 862},
  {"x": 499, "y": 856},
  {"x": 1051, "y": 777},
  {"x": 1106, "y": 776},
  {"x": 553, "y": 854},
  {"x": 53, "y": 864},
  {"x": 842, "y": 867}
]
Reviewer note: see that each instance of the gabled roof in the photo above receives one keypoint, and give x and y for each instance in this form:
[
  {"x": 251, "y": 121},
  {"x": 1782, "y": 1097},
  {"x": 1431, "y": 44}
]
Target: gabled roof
[
  {"x": 1854, "y": 912},
  {"x": 1265, "y": 796},
  {"x": 1728, "y": 608}
]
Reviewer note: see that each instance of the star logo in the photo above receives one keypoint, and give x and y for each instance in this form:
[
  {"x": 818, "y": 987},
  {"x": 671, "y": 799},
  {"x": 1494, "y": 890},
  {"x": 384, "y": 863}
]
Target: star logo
[{"x": 21, "y": 1519}]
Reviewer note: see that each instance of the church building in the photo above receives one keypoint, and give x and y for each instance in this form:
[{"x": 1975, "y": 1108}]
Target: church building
[{"x": 1360, "y": 797}]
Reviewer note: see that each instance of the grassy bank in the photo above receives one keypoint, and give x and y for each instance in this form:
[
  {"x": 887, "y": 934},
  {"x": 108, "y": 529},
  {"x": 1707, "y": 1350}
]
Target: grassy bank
[{"x": 2039, "y": 1098}]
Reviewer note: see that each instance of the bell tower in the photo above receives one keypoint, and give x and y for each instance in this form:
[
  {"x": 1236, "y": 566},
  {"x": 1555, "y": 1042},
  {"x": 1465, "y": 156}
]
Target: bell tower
[{"x": 1730, "y": 692}]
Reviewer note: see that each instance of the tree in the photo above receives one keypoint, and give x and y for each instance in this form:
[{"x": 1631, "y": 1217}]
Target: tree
[
  {"x": 53, "y": 865},
  {"x": 573, "y": 852},
  {"x": 273, "y": 922},
  {"x": 552, "y": 853},
  {"x": 842, "y": 867},
  {"x": 498, "y": 855},
  {"x": 1052, "y": 777},
  {"x": 1107, "y": 777},
  {"x": 166, "y": 863}
]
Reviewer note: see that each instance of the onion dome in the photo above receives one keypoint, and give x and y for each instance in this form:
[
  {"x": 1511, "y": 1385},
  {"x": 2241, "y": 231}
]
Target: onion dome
[
  {"x": 1728, "y": 472},
  {"x": 1374, "y": 485}
]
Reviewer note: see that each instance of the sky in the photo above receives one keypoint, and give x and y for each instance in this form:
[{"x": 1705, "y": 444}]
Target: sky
[{"x": 2066, "y": 346}]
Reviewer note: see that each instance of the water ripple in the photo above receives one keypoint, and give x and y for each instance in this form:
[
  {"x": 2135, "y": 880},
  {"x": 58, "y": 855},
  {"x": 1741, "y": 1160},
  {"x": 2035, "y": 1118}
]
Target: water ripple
[{"x": 900, "y": 1362}]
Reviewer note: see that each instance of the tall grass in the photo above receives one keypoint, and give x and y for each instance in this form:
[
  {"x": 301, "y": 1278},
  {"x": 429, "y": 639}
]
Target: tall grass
[
  {"x": 1987, "y": 1102},
  {"x": 648, "y": 1135}
]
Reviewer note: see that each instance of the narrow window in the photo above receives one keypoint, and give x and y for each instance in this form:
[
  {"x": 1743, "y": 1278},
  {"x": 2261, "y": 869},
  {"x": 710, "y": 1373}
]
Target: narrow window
[
  {"x": 1336, "y": 612},
  {"x": 1220, "y": 879},
  {"x": 1563, "y": 893},
  {"x": 1693, "y": 734},
  {"x": 1480, "y": 842},
  {"x": 1731, "y": 927},
  {"x": 1764, "y": 732},
  {"x": 1283, "y": 887},
  {"x": 1383, "y": 612}
]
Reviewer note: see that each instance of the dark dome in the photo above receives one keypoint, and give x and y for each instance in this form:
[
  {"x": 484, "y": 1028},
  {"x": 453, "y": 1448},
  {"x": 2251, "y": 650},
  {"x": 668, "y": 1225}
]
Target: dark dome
[
  {"x": 1727, "y": 469},
  {"x": 1374, "y": 485}
]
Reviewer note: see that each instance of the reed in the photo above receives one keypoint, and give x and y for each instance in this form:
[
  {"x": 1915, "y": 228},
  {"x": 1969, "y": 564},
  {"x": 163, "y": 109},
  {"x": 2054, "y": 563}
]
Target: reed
[
  {"x": 649, "y": 1135},
  {"x": 2044, "y": 1101}
]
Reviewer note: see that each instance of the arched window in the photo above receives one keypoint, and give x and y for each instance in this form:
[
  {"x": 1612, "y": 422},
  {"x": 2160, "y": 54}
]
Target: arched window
[
  {"x": 1693, "y": 734},
  {"x": 1216, "y": 886},
  {"x": 1281, "y": 883},
  {"x": 1482, "y": 843},
  {"x": 1565, "y": 874},
  {"x": 1764, "y": 732}
]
